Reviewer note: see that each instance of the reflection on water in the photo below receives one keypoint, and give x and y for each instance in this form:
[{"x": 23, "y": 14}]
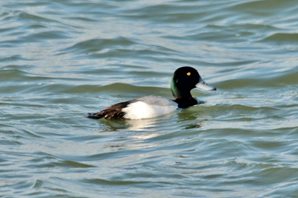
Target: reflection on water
[
  {"x": 134, "y": 125},
  {"x": 141, "y": 124}
]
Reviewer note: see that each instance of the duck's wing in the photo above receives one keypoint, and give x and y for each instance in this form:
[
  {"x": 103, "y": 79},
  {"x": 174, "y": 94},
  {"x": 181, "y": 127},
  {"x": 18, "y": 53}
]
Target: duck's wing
[{"x": 112, "y": 112}]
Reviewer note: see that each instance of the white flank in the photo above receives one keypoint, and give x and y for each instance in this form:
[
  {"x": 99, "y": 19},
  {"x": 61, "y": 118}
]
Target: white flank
[{"x": 149, "y": 107}]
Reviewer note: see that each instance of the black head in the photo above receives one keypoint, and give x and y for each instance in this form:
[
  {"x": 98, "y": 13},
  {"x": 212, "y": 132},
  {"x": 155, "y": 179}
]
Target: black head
[
  {"x": 183, "y": 81},
  {"x": 185, "y": 78}
]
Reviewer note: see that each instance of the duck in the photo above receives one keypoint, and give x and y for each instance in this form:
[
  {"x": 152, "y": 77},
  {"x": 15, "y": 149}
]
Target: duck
[{"x": 183, "y": 81}]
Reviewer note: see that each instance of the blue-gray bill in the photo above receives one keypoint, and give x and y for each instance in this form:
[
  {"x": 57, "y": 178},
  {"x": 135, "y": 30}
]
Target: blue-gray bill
[{"x": 204, "y": 86}]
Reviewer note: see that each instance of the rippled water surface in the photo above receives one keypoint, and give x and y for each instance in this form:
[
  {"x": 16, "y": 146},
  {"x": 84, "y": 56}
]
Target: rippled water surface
[{"x": 60, "y": 59}]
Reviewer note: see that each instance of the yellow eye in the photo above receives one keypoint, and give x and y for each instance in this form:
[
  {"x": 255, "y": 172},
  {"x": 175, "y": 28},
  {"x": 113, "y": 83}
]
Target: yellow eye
[{"x": 188, "y": 73}]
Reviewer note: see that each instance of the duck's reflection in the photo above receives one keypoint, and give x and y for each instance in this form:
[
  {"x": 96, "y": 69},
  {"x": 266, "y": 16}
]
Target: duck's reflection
[
  {"x": 141, "y": 124},
  {"x": 133, "y": 125}
]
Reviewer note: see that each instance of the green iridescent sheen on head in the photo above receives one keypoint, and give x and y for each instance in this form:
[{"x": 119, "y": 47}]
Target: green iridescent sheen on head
[{"x": 174, "y": 89}]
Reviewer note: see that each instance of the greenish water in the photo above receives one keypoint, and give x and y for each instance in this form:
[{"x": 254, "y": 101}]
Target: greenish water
[{"x": 62, "y": 59}]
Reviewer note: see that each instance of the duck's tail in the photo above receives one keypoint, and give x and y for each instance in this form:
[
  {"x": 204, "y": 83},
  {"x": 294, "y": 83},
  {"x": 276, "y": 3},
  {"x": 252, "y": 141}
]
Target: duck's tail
[{"x": 97, "y": 115}]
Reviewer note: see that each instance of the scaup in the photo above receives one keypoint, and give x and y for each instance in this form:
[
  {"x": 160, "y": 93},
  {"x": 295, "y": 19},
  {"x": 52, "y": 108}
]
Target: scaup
[{"x": 184, "y": 80}]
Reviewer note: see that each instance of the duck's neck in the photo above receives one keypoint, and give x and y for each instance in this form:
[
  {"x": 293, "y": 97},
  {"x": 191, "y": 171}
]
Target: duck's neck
[
  {"x": 186, "y": 102},
  {"x": 183, "y": 97}
]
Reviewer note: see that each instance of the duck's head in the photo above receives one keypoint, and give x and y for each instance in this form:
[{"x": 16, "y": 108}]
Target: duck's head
[{"x": 184, "y": 80}]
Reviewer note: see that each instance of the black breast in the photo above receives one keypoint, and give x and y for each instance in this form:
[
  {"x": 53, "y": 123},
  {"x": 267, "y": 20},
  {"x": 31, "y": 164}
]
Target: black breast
[{"x": 185, "y": 103}]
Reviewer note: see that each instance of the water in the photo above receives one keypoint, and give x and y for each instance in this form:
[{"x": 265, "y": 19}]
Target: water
[{"x": 62, "y": 59}]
